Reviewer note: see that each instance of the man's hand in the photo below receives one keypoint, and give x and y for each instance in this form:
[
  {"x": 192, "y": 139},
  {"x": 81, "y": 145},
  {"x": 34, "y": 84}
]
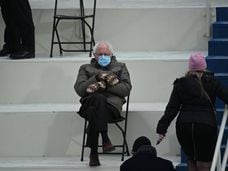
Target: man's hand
[
  {"x": 96, "y": 86},
  {"x": 102, "y": 76},
  {"x": 109, "y": 77},
  {"x": 112, "y": 79}
]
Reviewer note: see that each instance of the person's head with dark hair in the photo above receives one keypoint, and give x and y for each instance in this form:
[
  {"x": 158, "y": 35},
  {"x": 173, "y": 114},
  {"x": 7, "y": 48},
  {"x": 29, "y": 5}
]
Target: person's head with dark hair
[
  {"x": 143, "y": 142},
  {"x": 145, "y": 158}
]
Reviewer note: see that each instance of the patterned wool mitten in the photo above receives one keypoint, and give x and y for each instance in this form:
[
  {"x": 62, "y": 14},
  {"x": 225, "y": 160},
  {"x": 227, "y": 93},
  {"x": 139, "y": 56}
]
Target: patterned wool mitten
[
  {"x": 102, "y": 76},
  {"x": 112, "y": 79},
  {"x": 96, "y": 86}
]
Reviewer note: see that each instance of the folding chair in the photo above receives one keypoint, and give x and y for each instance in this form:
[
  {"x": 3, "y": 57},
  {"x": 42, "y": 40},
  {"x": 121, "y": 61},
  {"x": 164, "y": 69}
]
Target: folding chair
[
  {"x": 123, "y": 130},
  {"x": 84, "y": 22}
]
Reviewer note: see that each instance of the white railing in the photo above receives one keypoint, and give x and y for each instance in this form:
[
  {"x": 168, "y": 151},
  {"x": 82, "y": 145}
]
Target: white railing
[{"x": 217, "y": 154}]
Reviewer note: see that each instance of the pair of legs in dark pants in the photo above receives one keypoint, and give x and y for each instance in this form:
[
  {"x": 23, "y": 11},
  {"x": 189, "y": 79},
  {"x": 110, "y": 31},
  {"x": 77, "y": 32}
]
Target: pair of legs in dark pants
[
  {"x": 99, "y": 113},
  {"x": 19, "y": 31}
]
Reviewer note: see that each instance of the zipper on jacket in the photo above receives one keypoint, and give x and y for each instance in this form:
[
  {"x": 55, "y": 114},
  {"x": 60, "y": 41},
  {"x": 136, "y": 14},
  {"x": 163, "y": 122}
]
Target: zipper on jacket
[{"x": 193, "y": 142}]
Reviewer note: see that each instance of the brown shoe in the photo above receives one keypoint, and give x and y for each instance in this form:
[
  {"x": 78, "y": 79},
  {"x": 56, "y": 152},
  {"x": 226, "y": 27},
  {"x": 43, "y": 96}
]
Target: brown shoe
[
  {"x": 108, "y": 147},
  {"x": 94, "y": 160}
]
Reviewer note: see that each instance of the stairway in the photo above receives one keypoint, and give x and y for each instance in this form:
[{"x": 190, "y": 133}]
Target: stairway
[{"x": 217, "y": 62}]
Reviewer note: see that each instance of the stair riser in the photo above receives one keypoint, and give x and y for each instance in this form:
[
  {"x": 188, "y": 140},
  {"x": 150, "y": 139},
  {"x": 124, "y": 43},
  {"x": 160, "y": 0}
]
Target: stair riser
[
  {"x": 218, "y": 48},
  {"x": 183, "y": 157},
  {"x": 222, "y": 151},
  {"x": 220, "y": 30},
  {"x": 222, "y": 14},
  {"x": 181, "y": 167},
  {"x": 219, "y": 103},
  {"x": 225, "y": 136},
  {"x": 223, "y": 79},
  {"x": 219, "y": 117},
  {"x": 217, "y": 65}
]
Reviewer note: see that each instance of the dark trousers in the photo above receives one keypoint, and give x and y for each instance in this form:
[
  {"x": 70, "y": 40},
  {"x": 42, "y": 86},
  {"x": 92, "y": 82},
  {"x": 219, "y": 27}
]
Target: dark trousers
[
  {"x": 19, "y": 31},
  {"x": 99, "y": 113}
]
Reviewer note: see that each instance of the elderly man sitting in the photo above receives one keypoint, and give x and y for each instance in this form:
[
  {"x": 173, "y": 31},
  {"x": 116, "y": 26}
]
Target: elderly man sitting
[{"x": 102, "y": 85}]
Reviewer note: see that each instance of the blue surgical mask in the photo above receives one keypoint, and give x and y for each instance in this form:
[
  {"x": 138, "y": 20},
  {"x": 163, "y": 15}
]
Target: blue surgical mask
[{"x": 104, "y": 60}]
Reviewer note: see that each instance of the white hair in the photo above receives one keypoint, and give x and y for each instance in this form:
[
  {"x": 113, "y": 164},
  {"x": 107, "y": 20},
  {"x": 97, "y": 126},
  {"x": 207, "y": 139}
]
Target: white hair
[{"x": 102, "y": 42}]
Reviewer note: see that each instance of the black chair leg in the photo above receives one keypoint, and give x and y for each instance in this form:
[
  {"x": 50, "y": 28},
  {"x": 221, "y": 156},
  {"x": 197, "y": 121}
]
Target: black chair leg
[
  {"x": 82, "y": 11},
  {"x": 52, "y": 38},
  {"x": 58, "y": 37},
  {"x": 123, "y": 132},
  {"x": 83, "y": 140},
  {"x": 83, "y": 34}
]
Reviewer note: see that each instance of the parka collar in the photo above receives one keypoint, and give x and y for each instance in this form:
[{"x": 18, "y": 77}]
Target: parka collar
[{"x": 147, "y": 149}]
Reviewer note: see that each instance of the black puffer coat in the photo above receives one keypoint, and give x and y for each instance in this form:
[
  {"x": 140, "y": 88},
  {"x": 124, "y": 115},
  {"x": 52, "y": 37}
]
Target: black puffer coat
[
  {"x": 115, "y": 94},
  {"x": 191, "y": 103},
  {"x": 146, "y": 159}
]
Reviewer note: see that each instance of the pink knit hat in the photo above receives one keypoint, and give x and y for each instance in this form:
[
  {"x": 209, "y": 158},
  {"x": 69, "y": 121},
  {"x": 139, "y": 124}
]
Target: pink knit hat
[{"x": 197, "y": 62}]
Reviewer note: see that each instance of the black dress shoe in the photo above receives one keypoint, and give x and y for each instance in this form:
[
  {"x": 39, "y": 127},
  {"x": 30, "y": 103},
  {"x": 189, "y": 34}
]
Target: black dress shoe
[
  {"x": 4, "y": 52},
  {"x": 22, "y": 55}
]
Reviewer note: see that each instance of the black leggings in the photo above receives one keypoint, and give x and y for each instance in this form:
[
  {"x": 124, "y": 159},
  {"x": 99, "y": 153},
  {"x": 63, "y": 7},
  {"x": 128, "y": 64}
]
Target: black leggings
[{"x": 197, "y": 140}]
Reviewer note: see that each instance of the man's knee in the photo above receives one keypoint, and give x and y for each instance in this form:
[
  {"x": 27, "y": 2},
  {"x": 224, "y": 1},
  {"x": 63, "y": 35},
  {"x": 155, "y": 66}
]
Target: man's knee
[{"x": 98, "y": 97}]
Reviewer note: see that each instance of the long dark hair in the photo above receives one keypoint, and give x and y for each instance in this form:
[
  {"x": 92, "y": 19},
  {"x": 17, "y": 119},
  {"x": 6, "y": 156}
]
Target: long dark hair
[{"x": 198, "y": 75}]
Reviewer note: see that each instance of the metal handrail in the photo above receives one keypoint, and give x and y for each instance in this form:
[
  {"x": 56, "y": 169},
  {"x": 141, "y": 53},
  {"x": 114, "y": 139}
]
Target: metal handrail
[{"x": 216, "y": 162}]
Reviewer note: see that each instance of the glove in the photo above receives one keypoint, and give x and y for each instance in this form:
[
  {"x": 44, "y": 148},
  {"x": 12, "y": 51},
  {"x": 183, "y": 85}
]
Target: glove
[
  {"x": 96, "y": 86},
  {"x": 102, "y": 76},
  {"x": 160, "y": 138},
  {"x": 112, "y": 79}
]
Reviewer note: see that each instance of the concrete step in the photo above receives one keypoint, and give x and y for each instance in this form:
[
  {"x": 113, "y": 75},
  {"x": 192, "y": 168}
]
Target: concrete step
[
  {"x": 51, "y": 80},
  {"x": 108, "y": 163},
  {"x": 41, "y": 130},
  {"x": 57, "y": 163},
  {"x": 145, "y": 25}
]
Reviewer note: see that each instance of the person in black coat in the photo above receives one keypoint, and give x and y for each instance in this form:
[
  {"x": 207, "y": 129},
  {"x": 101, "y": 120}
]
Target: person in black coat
[
  {"x": 145, "y": 158},
  {"x": 193, "y": 98},
  {"x": 19, "y": 36}
]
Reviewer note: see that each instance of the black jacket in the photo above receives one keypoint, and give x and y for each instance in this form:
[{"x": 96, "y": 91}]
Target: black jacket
[
  {"x": 193, "y": 105},
  {"x": 146, "y": 160}
]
